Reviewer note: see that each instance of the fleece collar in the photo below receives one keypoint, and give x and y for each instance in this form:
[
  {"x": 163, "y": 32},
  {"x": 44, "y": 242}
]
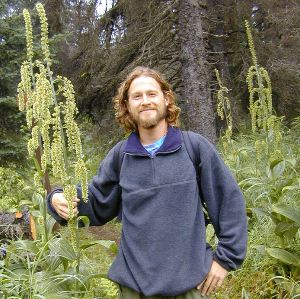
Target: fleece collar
[{"x": 171, "y": 143}]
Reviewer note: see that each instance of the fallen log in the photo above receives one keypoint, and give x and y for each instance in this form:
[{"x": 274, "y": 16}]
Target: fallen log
[{"x": 18, "y": 225}]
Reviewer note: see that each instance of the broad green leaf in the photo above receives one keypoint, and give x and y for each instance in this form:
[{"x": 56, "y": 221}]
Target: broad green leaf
[
  {"x": 53, "y": 261},
  {"x": 292, "y": 161},
  {"x": 286, "y": 228},
  {"x": 268, "y": 172},
  {"x": 98, "y": 275},
  {"x": 288, "y": 211},
  {"x": 290, "y": 188},
  {"x": 37, "y": 199},
  {"x": 12, "y": 210},
  {"x": 50, "y": 224},
  {"x": 25, "y": 202},
  {"x": 54, "y": 296},
  {"x": 84, "y": 219},
  {"x": 65, "y": 263},
  {"x": 21, "y": 274},
  {"x": 284, "y": 256},
  {"x": 277, "y": 168},
  {"x": 274, "y": 163},
  {"x": 36, "y": 213},
  {"x": 62, "y": 248},
  {"x": 111, "y": 245},
  {"x": 27, "y": 245},
  {"x": 18, "y": 266},
  {"x": 261, "y": 249},
  {"x": 260, "y": 211},
  {"x": 26, "y": 188},
  {"x": 244, "y": 149}
]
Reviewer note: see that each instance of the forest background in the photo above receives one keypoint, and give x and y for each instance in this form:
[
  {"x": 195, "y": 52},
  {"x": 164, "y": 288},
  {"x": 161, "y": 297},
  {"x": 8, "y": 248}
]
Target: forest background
[{"x": 96, "y": 43}]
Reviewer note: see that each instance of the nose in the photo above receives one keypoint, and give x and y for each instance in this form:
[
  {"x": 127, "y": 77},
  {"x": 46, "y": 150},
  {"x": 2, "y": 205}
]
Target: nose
[{"x": 145, "y": 100}]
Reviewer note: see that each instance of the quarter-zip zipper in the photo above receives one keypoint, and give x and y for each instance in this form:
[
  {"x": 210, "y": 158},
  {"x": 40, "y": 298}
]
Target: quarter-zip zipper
[
  {"x": 138, "y": 155},
  {"x": 153, "y": 170},
  {"x": 152, "y": 159},
  {"x": 152, "y": 162}
]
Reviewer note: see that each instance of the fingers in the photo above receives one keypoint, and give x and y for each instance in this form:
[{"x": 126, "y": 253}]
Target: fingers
[
  {"x": 209, "y": 286},
  {"x": 64, "y": 213},
  {"x": 60, "y": 205},
  {"x": 213, "y": 285},
  {"x": 199, "y": 286},
  {"x": 214, "y": 279}
]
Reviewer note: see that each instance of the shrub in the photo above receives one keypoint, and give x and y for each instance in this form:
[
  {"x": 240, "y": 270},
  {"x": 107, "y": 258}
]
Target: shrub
[{"x": 11, "y": 189}]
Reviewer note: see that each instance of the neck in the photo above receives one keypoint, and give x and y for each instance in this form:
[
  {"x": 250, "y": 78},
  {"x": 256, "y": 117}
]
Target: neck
[{"x": 148, "y": 136}]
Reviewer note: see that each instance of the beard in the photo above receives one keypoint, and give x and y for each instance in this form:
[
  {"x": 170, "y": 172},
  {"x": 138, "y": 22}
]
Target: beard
[{"x": 150, "y": 121}]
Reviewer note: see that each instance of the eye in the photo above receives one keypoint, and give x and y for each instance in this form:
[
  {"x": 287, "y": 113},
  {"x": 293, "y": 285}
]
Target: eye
[
  {"x": 152, "y": 94},
  {"x": 136, "y": 97}
]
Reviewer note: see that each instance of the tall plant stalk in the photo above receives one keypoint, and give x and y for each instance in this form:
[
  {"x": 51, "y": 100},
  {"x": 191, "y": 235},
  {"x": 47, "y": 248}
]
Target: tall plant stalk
[
  {"x": 224, "y": 110},
  {"x": 260, "y": 102},
  {"x": 259, "y": 87},
  {"x": 50, "y": 108}
]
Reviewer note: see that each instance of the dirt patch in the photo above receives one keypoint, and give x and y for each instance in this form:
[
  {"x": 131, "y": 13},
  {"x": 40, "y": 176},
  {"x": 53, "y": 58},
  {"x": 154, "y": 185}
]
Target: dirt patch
[{"x": 109, "y": 231}]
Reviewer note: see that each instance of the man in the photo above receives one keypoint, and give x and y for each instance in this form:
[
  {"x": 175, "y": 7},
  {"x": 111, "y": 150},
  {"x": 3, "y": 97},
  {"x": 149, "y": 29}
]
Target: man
[{"x": 163, "y": 250}]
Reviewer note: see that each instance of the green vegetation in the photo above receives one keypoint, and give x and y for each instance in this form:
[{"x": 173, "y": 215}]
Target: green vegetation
[
  {"x": 265, "y": 162},
  {"x": 51, "y": 266},
  {"x": 11, "y": 189},
  {"x": 35, "y": 269},
  {"x": 266, "y": 166},
  {"x": 271, "y": 189}
]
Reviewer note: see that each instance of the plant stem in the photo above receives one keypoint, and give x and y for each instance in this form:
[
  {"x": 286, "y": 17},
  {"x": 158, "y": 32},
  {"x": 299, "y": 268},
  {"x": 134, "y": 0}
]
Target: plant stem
[
  {"x": 56, "y": 104},
  {"x": 45, "y": 218}
]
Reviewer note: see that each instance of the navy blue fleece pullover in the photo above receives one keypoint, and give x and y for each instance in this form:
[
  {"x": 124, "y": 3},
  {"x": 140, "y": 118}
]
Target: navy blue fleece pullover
[{"x": 163, "y": 249}]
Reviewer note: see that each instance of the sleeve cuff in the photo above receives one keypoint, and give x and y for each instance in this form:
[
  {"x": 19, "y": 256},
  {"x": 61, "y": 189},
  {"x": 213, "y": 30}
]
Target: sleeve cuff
[{"x": 222, "y": 263}]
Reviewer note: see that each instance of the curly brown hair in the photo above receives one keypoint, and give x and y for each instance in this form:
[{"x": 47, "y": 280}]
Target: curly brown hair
[{"x": 120, "y": 100}]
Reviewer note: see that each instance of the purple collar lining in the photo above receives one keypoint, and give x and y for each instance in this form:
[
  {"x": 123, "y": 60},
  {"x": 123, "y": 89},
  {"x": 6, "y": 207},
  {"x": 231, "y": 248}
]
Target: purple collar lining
[{"x": 172, "y": 142}]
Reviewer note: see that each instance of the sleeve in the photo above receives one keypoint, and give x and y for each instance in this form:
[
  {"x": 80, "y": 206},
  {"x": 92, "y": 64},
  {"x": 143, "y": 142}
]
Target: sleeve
[
  {"x": 226, "y": 207},
  {"x": 104, "y": 194}
]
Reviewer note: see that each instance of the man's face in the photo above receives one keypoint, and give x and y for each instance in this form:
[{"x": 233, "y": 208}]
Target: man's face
[{"x": 147, "y": 104}]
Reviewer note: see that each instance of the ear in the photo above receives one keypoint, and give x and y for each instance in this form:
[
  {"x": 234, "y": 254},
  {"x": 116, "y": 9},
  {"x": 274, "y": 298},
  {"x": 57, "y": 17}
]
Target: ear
[{"x": 167, "y": 101}]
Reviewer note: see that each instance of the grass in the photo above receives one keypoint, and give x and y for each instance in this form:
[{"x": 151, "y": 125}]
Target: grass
[{"x": 256, "y": 271}]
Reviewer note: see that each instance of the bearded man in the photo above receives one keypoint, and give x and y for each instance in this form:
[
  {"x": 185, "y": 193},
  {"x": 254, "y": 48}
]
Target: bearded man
[{"x": 163, "y": 251}]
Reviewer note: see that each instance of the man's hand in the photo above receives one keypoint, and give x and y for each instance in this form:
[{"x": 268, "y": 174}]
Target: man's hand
[
  {"x": 213, "y": 280},
  {"x": 60, "y": 205}
]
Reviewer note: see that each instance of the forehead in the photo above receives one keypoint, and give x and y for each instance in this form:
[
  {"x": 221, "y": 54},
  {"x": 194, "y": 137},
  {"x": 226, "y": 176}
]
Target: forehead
[{"x": 143, "y": 83}]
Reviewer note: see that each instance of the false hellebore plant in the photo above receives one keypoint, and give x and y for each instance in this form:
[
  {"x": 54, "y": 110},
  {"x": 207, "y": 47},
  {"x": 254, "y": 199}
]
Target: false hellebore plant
[
  {"x": 50, "y": 108},
  {"x": 55, "y": 145}
]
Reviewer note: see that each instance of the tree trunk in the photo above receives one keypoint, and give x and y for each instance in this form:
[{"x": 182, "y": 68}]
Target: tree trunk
[
  {"x": 195, "y": 70},
  {"x": 223, "y": 15}
]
